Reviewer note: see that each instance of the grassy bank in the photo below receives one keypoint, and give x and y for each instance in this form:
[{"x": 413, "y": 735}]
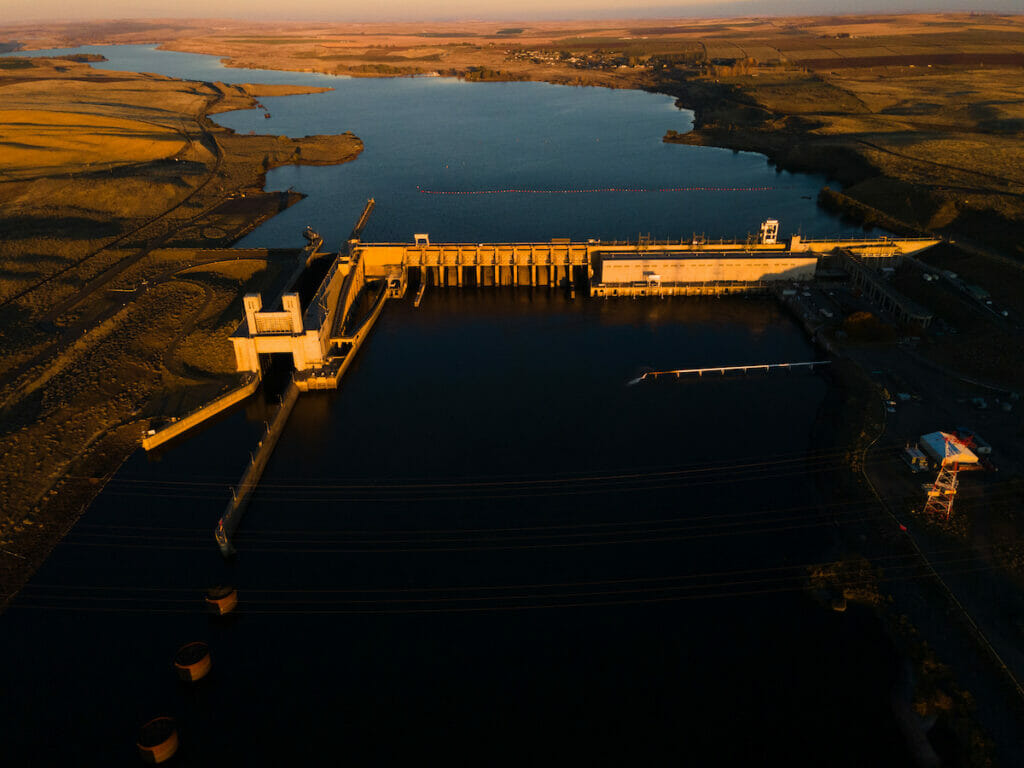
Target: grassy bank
[{"x": 119, "y": 187}]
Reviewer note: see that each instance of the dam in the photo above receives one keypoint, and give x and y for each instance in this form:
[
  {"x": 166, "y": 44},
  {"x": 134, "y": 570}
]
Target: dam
[
  {"x": 322, "y": 333},
  {"x": 323, "y": 330}
]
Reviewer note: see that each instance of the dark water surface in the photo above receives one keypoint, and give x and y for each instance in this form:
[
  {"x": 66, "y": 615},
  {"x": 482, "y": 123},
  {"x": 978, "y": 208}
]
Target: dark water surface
[
  {"x": 445, "y": 135},
  {"x": 485, "y": 548}
]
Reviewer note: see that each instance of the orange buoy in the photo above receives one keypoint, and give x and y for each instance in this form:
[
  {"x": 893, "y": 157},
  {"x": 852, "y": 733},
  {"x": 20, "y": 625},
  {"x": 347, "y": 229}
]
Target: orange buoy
[
  {"x": 158, "y": 740},
  {"x": 222, "y": 600},
  {"x": 192, "y": 661}
]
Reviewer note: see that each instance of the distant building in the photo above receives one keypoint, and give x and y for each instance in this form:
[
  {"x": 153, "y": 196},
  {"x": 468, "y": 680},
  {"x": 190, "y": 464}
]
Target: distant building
[
  {"x": 945, "y": 448},
  {"x": 708, "y": 266}
]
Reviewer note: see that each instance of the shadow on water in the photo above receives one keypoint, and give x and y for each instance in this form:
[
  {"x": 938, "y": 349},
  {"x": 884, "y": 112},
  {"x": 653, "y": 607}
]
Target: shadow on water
[{"x": 486, "y": 548}]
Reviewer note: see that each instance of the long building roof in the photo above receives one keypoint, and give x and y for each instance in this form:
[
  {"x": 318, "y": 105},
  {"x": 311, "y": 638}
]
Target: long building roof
[
  {"x": 947, "y": 449},
  {"x": 705, "y": 254}
]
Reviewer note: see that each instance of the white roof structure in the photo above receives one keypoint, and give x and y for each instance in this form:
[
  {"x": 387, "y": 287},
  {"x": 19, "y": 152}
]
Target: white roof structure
[{"x": 946, "y": 448}]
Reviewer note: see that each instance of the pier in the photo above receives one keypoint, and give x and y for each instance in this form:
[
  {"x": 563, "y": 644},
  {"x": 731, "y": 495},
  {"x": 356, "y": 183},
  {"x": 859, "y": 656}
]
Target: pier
[
  {"x": 364, "y": 217},
  {"x": 154, "y": 438},
  {"x": 241, "y": 493},
  {"x": 724, "y": 369}
]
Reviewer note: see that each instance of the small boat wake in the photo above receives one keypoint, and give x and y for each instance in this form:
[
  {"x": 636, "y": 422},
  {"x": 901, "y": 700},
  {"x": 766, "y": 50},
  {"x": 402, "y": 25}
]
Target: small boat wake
[{"x": 643, "y": 375}]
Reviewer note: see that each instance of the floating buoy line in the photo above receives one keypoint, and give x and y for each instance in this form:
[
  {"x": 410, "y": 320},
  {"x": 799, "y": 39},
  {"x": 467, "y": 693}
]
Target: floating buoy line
[{"x": 588, "y": 191}]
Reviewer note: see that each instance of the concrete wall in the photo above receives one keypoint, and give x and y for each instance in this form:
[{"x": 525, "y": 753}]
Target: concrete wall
[
  {"x": 907, "y": 246},
  {"x": 693, "y": 269},
  {"x": 348, "y": 292},
  {"x": 305, "y": 336},
  {"x": 379, "y": 257},
  {"x": 250, "y": 480},
  {"x": 329, "y": 376},
  {"x": 308, "y": 337},
  {"x": 197, "y": 417},
  {"x": 377, "y": 260}
]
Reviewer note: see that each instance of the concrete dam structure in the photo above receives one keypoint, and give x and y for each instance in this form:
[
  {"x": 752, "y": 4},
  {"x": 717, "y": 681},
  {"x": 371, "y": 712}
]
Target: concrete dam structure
[
  {"x": 322, "y": 333},
  {"x": 322, "y": 330}
]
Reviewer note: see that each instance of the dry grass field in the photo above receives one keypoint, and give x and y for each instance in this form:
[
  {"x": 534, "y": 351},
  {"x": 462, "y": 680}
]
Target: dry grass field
[
  {"x": 102, "y": 325},
  {"x": 934, "y": 101},
  {"x": 203, "y": 351},
  {"x": 37, "y": 142}
]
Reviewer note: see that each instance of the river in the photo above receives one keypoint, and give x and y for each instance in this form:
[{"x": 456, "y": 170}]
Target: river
[{"x": 486, "y": 547}]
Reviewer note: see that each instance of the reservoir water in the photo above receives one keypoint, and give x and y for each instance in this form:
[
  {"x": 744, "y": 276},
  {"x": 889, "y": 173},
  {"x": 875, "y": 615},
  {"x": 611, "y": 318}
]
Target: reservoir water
[{"x": 485, "y": 548}]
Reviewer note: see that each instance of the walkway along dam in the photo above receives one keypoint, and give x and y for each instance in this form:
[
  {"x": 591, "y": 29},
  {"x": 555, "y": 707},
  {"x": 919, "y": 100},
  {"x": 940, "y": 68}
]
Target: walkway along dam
[{"x": 321, "y": 322}]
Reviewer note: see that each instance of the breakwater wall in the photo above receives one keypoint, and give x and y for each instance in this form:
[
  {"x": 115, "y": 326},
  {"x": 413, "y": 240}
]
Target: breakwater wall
[
  {"x": 157, "y": 437},
  {"x": 250, "y": 480}
]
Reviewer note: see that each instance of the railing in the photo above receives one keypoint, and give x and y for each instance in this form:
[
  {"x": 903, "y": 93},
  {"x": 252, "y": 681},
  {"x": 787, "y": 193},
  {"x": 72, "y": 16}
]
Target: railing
[
  {"x": 347, "y": 295},
  {"x": 883, "y": 238}
]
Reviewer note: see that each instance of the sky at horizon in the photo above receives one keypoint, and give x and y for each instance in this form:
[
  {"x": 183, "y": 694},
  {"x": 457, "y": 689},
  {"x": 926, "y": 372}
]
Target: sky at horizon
[{"x": 448, "y": 10}]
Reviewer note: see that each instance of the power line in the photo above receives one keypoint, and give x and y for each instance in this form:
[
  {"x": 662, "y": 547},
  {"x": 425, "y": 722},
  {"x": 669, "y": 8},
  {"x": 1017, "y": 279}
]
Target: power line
[
  {"x": 537, "y": 600},
  {"x": 509, "y": 480},
  {"x": 884, "y": 562}
]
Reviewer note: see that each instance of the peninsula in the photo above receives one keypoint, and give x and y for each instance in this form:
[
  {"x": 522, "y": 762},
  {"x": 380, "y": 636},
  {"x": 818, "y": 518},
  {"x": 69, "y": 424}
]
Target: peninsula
[{"x": 110, "y": 183}]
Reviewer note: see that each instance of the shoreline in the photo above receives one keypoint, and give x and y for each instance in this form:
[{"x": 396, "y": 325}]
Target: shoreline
[
  {"x": 697, "y": 137},
  {"x": 45, "y": 496},
  {"x": 729, "y": 116}
]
